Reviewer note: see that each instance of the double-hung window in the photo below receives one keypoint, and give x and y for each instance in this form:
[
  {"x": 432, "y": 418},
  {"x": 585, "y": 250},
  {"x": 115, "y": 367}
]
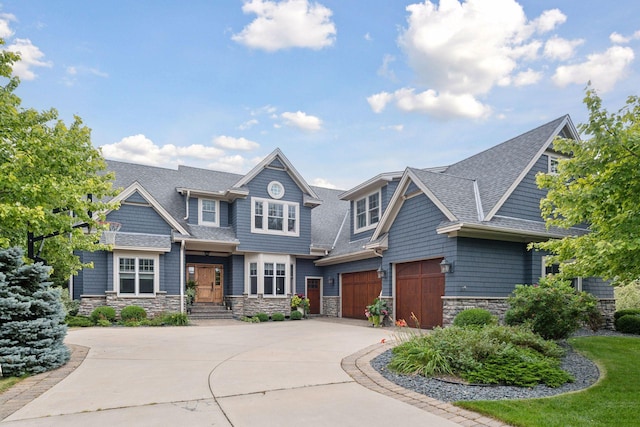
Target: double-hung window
[
  {"x": 271, "y": 275},
  {"x": 367, "y": 212},
  {"x": 208, "y": 212},
  {"x": 136, "y": 275},
  {"x": 274, "y": 217},
  {"x": 253, "y": 278}
]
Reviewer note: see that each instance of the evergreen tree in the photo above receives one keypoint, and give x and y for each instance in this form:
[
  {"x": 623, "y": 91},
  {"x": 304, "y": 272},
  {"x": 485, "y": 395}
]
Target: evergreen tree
[{"x": 32, "y": 327}]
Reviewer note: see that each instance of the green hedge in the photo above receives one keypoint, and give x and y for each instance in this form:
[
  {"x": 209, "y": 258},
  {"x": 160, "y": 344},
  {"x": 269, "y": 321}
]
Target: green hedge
[
  {"x": 133, "y": 313},
  {"x": 103, "y": 313},
  {"x": 628, "y": 324}
]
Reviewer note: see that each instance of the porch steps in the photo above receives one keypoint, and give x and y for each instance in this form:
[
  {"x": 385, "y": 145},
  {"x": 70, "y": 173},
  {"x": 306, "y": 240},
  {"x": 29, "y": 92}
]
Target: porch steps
[{"x": 201, "y": 310}]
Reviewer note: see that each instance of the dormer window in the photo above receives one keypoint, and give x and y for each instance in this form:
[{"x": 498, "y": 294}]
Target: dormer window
[
  {"x": 208, "y": 212},
  {"x": 367, "y": 212}
]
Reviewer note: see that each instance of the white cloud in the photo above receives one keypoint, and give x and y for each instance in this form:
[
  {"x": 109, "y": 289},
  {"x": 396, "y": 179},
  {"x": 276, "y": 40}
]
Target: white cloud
[
  {"x": 321, "y": 182},
  {"x": 235, "y": 163},
  {"x": 528, "y": 77},
  {"x": 445, "y": 104},
  {"x": 232, "y": 143},
  {"x": 248, "y": 124},
  {"x": 287, "y": 24},
  {"x": 5, "y": 30},
  {"x": 140, "y": 149},
  {"x": 561, "y": 49},
  {"x": 384, "y": 69},
  {"x": 604, "y": 70},
  {"x": 379, "y": 101},
  {"x": 302, "y": 121},
  {"x": 397, "y": 128},
  {"x": 30, "y": 56},
  {"x": 460, "y": 50},
  {"x": 549, "y": 20},
  {"x": 73, "y": 72},
  {"x": 618, "y": 38},
  {"x": 368, "y": 37}
]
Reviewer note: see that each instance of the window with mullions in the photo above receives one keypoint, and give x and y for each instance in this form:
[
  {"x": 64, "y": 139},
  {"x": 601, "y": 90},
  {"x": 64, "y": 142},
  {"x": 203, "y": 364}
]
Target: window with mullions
[
  {"x": 268, "y": 278},
  {"x": 281, "y": 217},
  {"x": 208, "y": 212},
  {"x": 253, "y": 278},
  {"x": 136, "y": 276},
  {"x": 367, "y": 212}
]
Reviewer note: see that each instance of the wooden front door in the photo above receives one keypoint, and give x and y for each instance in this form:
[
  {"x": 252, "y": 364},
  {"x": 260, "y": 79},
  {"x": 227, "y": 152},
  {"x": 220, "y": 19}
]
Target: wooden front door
[
  {"x": 419, "y": 290},
  {"x": 313, "y": 293},
  {"x": 358, "y": 291},
  {"x": 210, "y": 280}
]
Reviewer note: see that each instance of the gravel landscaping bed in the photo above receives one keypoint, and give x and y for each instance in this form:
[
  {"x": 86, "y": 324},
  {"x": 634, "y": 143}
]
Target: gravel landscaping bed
[{"x": 584, "y": 371}]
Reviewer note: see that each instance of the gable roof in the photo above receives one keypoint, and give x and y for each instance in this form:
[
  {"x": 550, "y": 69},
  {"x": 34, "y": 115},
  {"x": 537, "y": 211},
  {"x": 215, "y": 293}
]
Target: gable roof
[{"x": 278, "y": 160}]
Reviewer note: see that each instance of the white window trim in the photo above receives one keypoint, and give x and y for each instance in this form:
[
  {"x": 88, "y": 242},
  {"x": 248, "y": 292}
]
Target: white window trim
[
  {"x": 276, "y": 196},
  {"x": 209, "y": 223},
  {"x": 274, "y": 259},
  {"x": 265, "y": 217},
  {"x": 137, "y": 255},
  {"x": 355, "y": 212}
]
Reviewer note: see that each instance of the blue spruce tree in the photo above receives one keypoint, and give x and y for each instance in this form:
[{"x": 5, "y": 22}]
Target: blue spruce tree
[{"x": 32, "y": 326}]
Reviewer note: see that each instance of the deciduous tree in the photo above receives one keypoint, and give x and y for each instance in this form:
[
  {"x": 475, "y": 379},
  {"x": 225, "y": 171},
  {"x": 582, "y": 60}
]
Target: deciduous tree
[
  {"x": 47, "y": 172},
  {"x": 598, "y": 185}
]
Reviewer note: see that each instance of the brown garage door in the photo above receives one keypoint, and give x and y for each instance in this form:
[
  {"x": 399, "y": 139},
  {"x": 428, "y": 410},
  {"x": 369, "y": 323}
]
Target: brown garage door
[
  {"x": 358, "y": 291},
  {"x": 419, "y": 289}
]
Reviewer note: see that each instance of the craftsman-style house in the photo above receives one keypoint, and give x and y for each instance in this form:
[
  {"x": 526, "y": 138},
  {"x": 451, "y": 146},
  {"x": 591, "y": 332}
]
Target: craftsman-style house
[{"x": 432, "y": 241}]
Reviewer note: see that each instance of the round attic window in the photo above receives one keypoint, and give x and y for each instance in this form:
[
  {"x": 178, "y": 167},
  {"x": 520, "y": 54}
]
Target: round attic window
[{"x": 275, "y": 189}]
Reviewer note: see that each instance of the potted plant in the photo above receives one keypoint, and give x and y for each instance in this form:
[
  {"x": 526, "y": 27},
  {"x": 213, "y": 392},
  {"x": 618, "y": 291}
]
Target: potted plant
[
  {"x": 191, "y": 294},
  {"x": 377, "y": 312},
  {"x": 300, "y": 303}
]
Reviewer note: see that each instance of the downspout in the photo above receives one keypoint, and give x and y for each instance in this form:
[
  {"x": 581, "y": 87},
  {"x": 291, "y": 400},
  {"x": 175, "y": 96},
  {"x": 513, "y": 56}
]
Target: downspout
[
  {"x": 187, "y": 204},
  {"x": 182, "y": 277}
]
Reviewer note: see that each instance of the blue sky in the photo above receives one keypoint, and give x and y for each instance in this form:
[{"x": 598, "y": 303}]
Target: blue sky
[{"x": 346, "y": 89}]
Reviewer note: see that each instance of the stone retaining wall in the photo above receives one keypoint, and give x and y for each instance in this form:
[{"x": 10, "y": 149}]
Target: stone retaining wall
[
  {"x": 451, "y": 306},
  {"x": 161, "y": 303}
]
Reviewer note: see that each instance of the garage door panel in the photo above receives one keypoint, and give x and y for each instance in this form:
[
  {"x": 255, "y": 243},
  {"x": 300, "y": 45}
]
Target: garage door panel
[
  {"x": 419, "y": 290},
  {"x": 358, "y": 291}
]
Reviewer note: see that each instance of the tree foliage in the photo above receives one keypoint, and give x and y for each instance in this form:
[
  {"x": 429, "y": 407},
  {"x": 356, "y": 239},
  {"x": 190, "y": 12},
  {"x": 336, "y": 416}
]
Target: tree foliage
[
  {"x": 32, "y": 327},
  {"x": 47, "y": 171},
  {"x": 598, "y": 185}
]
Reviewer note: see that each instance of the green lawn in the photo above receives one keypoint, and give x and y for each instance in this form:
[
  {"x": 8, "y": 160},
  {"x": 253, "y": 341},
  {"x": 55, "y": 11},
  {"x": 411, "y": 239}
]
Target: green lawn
[
  {"x": 6, "y": 383},
  {"x": 613, "y": 401}
]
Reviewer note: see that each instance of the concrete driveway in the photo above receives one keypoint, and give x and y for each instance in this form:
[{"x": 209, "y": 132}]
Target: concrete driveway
[{"x": 220, "y": 374}]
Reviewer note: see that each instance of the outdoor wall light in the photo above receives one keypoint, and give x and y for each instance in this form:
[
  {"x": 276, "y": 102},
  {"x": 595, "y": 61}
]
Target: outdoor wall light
[
  {"x": 381, "y": 273},
  {"x": 331, "y": 281},
  {"x": 446, "y": 266}
]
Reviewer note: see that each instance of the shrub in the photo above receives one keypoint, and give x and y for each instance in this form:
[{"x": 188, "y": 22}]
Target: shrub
[
  {"x": 295, "y": 315},
  {"x": 71, "y": 306},
  {"x": 103, "y": 313},
  {"x": 103, "y": 322},
  {"x": 630, "y": 311},
  {"x": 552, "y": 309},
  {"x": 264, "y": 317},
  {"x": 250, "y": 319},
  {"x": 489, "y": 355},
  {"x": 175, "y": 319},
  {"x": 32, "y": 327},
  {"x": 277, "y": 317},
  {"x": 474, "y": 317},
  {"x": 628, "y": 324},
  {"x": 133, "y": 313},
  {"x": 78, "y": 321},
  {"x": 628, "y": 295}
]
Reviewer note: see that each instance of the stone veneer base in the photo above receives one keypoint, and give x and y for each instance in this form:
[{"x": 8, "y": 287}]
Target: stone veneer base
[{"x": 161, "y": 303}]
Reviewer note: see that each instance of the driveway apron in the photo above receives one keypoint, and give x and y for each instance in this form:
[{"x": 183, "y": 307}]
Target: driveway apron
[{"x": 220, "y": 374}]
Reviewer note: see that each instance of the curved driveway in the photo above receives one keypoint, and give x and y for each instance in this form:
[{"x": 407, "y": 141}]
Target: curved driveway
[{"x": 221, "y": 374}]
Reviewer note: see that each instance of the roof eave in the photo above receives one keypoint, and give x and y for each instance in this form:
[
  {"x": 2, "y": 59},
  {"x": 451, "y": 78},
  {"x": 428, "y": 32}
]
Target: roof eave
[{"x": 340, "y": 259}]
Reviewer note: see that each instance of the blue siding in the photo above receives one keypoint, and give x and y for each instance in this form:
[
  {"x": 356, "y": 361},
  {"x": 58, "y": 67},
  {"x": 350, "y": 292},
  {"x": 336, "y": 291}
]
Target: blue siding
[
  {"x": 386, "y": 192},
  {"x": 413, "y": 237},
  {"x": 139, "y": 219},
  {"x": 304, "y": 268},
  {"x": 137, "y": 198},
  {"x": 524, "y": 202},
  {"x": 236, "y": 268},
  {"x": 597, "y": 287},
  {"x": 488, "y": 268},
  {"x": 193, "y": 211},
  {"x": 92, "y": 281},
  {"x": 170, "y": 270},
  {"x": 224, "y": 214},
  {"x": 267, "y": 242}
]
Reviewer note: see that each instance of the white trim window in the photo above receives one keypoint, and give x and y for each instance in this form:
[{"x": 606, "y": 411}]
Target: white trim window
[
  {"x": 548, "y": 269},
  {"x": 553, "y": 164},
  {"x": 270, "y": 275},
  {"x": 208, "y": 212},
  {"x": 367, "y": 212},
  {"x": 274, "y": 217},
  {"x": 136, "y": 274}
]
